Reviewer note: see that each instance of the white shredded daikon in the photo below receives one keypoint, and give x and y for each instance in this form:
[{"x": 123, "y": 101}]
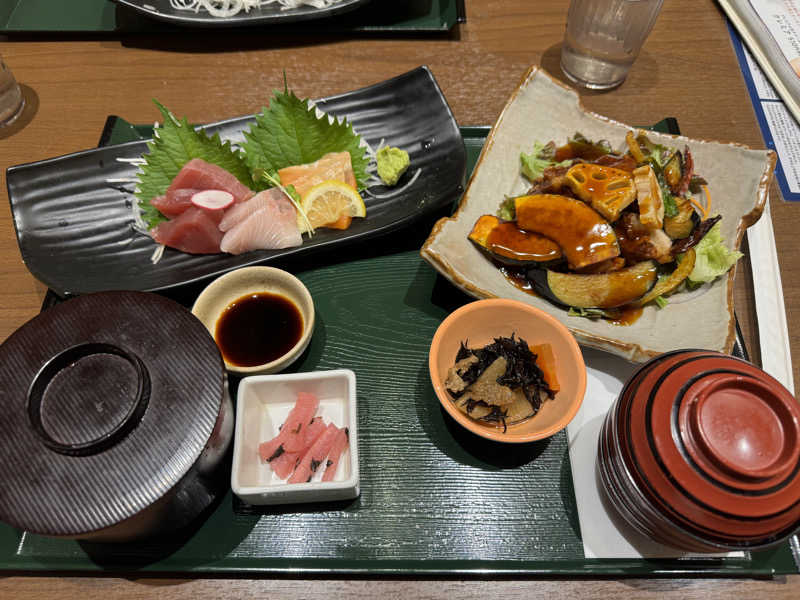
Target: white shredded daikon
[
  {"x": 229, "y": 8},
  {"x": 396, "y": 190}
]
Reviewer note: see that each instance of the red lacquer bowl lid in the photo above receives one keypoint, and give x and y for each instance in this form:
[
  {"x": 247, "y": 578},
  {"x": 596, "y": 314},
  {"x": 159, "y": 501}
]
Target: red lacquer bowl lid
[{"x": 711, "y": 444}]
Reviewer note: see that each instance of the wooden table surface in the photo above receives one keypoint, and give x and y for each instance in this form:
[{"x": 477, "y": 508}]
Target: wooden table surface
[{"x": 687, "y": 70}]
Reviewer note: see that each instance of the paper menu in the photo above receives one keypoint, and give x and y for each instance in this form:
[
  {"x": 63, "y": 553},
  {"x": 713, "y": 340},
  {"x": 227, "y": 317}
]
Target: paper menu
[{"x": 782, "y": 19}]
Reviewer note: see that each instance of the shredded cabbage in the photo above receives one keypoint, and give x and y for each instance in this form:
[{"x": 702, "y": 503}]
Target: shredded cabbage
[{"x": 229, "y": 8}]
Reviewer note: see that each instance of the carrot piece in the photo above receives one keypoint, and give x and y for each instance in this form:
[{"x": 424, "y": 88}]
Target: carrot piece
[
  {"x": 342, "y": 222},
  {"x": 546, "y": 361}
]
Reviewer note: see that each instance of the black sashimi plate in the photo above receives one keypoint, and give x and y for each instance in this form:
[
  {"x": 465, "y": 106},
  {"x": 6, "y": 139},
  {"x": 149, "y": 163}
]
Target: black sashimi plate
[
  {"x": 264, "y": 15},
  {"x": 75, "y": 228}
]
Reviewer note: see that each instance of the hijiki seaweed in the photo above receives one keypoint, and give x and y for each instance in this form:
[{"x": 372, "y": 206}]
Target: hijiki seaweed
[{"x": 521, "y": 372}]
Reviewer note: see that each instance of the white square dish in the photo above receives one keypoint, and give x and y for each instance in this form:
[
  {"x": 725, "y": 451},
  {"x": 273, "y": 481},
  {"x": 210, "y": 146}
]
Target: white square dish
[
  {"x": 543, "y": 109},
  {"x": 262, "y": 405}
]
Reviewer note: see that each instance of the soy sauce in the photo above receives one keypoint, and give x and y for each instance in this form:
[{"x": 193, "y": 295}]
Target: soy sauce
[{"x": 258, "y": 328}]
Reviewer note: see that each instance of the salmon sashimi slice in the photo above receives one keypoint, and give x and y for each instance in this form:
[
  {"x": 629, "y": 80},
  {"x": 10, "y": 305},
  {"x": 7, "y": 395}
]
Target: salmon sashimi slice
[
  {"x": 193, "y": 231},
  {"x": 340, "y": 444},
  {"x": 314, "y": 456},
  {"x": 302, "y": 414},
  {"x": 334, "y": 165},
  {"x": 201, "y": 175},
  {"x": 272, "y": 226},
  {"x": 239, "y": 212},
  {"x": 286, "y": 462}
]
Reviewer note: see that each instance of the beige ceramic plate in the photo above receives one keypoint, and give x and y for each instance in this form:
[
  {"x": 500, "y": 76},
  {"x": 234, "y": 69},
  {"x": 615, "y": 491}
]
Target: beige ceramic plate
[{"x": 542, "y": 109}]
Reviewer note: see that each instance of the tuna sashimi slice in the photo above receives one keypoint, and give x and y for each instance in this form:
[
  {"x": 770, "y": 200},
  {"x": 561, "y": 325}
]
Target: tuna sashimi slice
[
  {"x": 314, "y": 456},
  {"x": 193, "y": 231},
  {"x": 201, "y": 175},
  {"x": 286, "y": 462},
  {"x": 239, "y": 212},
  {"x": 334, "y": 165},
  {"x": 271, "y": 227},
  {"x": 174, "y": 202},
  {"x": 340, "y": 444},
  {"x": 302, "y": 413}
]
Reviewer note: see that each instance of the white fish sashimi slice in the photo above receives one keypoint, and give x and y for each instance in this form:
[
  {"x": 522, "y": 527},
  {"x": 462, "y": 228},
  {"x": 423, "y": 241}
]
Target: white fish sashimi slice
[
  {"x": 241, "y": 211},
  {"x": 271, "y": 227}
]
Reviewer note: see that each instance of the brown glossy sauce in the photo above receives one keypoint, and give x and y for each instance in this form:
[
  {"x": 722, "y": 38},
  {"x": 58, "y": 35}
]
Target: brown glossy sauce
[
  {"x": 258, "y": 328},
  {"x": 517, "y": 278},
  {"x": 584, "y": 235},
  {"x": 627, "y": 315},
  {"x": 506, "y": 239}
]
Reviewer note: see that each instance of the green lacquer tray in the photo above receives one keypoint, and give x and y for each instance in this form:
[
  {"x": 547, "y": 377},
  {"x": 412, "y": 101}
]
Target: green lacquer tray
[
  {"x": 435, "y": 499},
  {"x": 104, "y": 16}
]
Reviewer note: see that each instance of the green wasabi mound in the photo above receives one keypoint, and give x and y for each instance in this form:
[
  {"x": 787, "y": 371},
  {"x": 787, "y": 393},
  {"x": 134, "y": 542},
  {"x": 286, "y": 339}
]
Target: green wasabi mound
[{"x": 392, "y": 163}]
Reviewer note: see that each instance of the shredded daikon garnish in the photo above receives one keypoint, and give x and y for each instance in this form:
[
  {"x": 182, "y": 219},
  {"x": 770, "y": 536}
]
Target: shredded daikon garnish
[
  {"x": 396, "y": 190},
  {"x": 229, "y": 8}
]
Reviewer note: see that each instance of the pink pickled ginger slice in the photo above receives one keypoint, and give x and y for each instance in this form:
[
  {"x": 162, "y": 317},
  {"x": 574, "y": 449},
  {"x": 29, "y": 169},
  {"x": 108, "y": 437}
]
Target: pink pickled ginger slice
[
  {"x": 296, "y": 423},
  {"x": 286, "y": 462},
  {"x": 314, "y": 456},
  {"x": 340, "y": 444}
]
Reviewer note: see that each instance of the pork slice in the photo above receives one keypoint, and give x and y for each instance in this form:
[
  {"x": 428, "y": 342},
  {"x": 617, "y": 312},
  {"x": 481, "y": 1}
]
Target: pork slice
[
  {"x": 193, "y": 231},
  {"x": 201, "y": 175},
  {"x": 272, "y": 226}
]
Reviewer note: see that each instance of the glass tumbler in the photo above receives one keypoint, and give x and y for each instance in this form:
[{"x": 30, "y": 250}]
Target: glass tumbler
[
  {"x": 11, "y": 99},
  {"x": 603, "y": 38}
]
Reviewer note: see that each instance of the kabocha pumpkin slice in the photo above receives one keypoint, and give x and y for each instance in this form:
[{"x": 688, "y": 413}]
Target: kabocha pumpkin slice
[
  {"x": 604, "y": 290},
  {"x": 608, "y": 190},
  {"x": 506, "y": 243},
  {"x": 669, "y": 284},
  {"x": 584, "y": 235}
]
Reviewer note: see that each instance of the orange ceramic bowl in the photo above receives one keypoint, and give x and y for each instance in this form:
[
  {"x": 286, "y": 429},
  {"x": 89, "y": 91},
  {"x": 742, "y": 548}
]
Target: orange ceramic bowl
[{"x": 477, "y": 324}]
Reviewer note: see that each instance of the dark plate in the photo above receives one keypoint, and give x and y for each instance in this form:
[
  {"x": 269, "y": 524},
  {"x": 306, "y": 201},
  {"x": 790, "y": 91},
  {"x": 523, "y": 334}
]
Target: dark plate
[
  {"x": 270, "y": 14},
  {"x": 75, "y": 229}
]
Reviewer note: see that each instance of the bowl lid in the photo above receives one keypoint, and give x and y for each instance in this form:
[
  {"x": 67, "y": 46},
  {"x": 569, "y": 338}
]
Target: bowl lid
[
  {"x": 108, "y": 399},
  {"x": 686, "y": 432}
]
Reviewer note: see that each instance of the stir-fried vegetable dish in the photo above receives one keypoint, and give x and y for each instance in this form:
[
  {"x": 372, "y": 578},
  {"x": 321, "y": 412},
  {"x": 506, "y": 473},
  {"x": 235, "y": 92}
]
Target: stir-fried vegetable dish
[{"x": 599, "y": 232}]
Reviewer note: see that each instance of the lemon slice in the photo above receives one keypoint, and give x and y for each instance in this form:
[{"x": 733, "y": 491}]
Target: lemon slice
[{"x": 326, "y": 202}]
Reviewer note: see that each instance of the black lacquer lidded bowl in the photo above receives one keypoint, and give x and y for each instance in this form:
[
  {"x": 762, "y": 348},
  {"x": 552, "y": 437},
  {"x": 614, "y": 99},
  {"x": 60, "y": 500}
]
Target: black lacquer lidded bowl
[{"x": 115, "y": 419}]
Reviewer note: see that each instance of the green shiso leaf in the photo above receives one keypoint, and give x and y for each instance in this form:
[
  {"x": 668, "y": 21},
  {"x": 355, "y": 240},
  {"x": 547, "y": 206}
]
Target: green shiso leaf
[
  {"x": 176, "y": 143},
  {"x": 288, "y": 133}
]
